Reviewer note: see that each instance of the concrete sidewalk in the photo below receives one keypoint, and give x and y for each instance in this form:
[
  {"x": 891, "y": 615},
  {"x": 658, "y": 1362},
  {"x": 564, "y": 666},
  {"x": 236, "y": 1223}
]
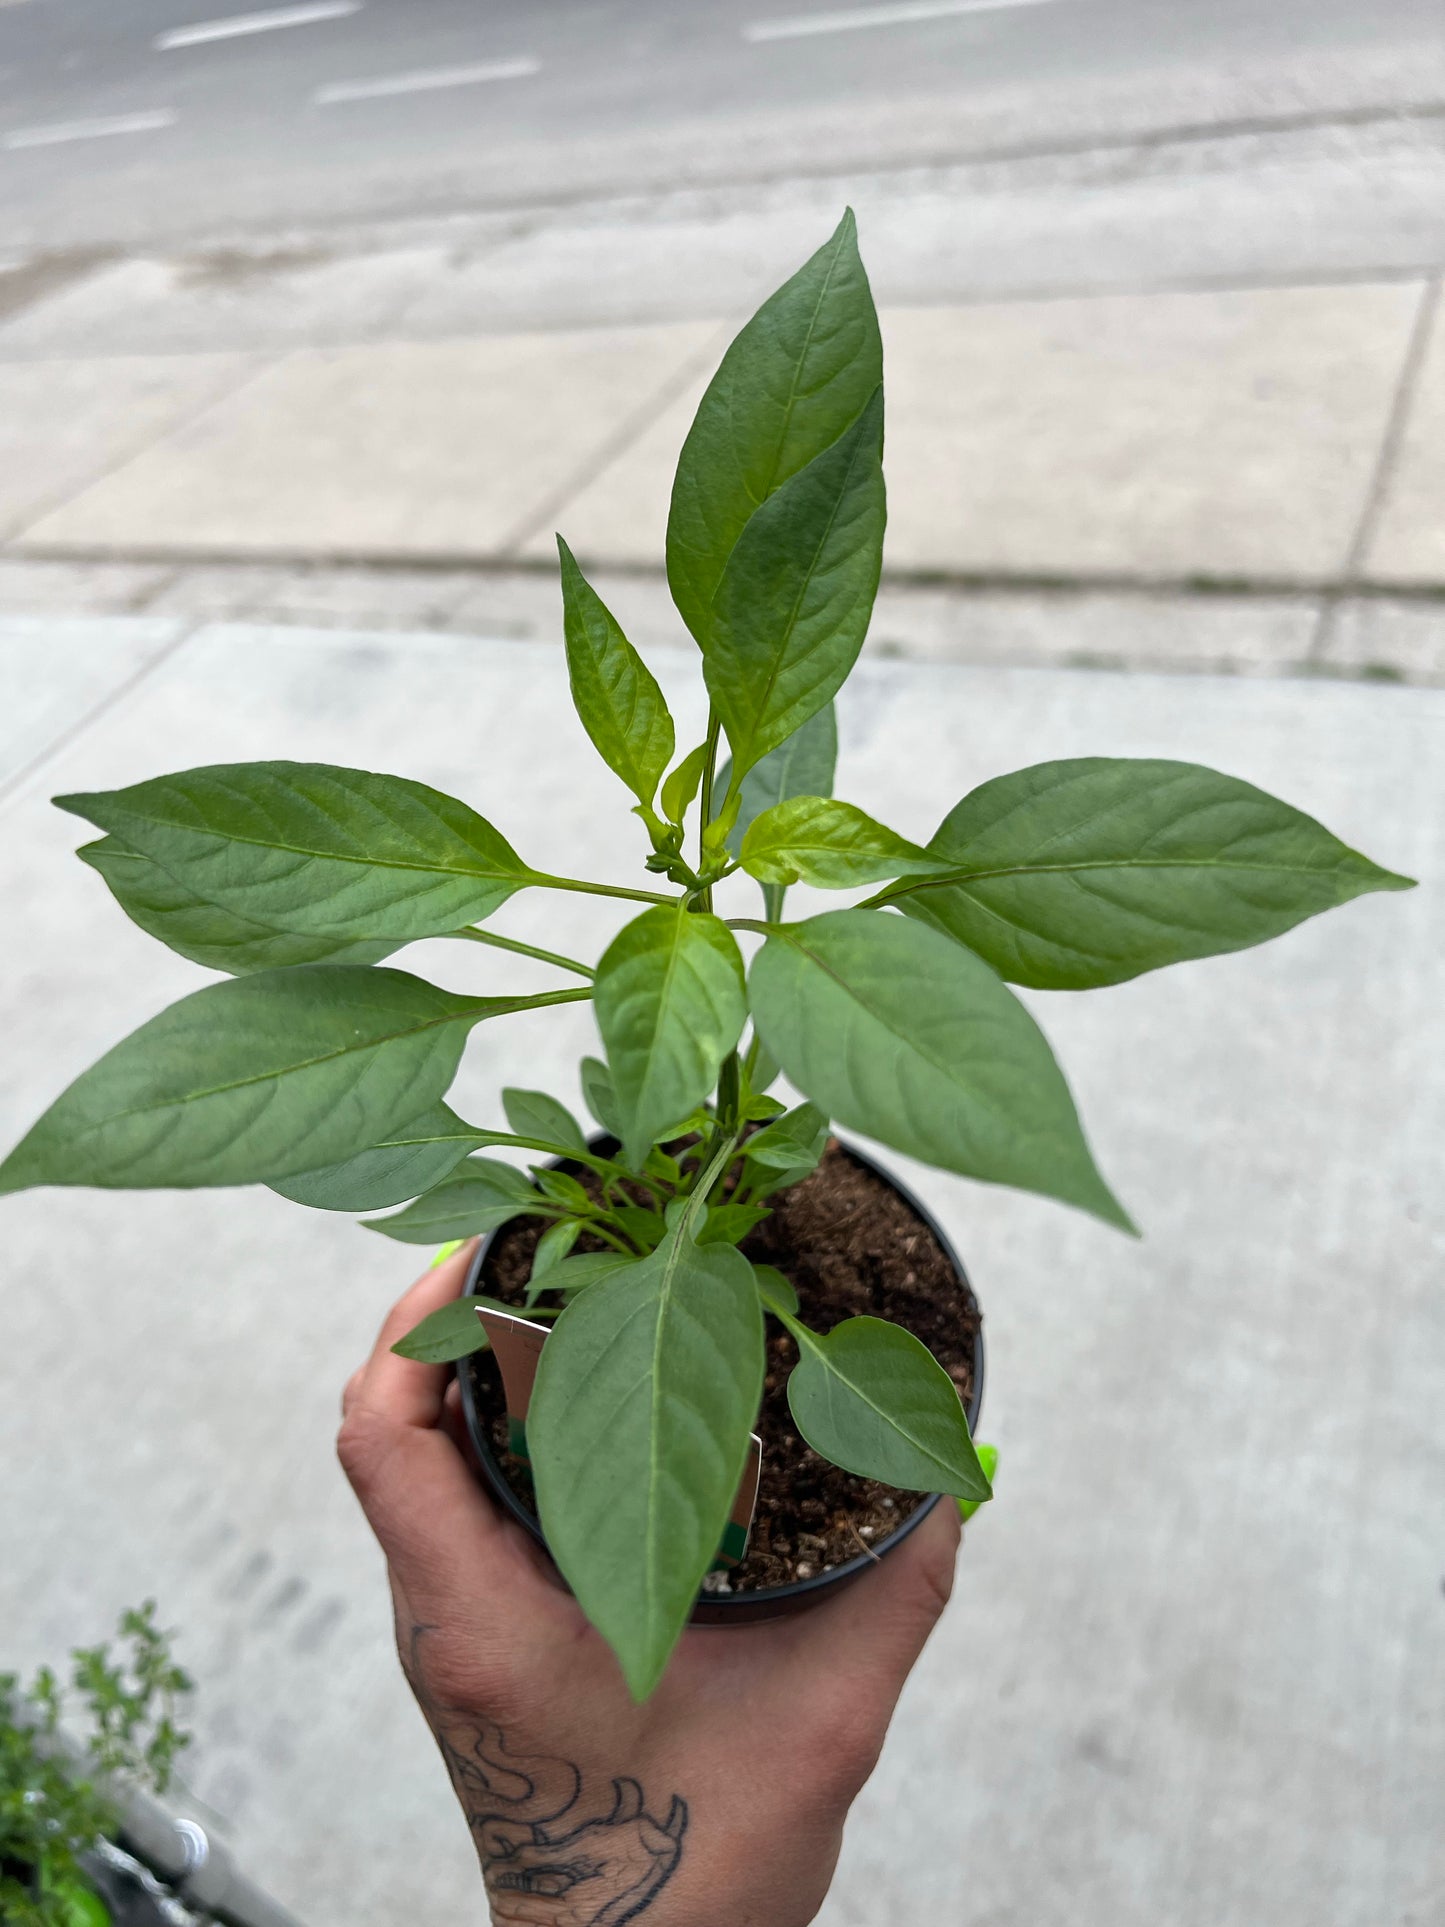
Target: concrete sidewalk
[
  {"x": 1192, "y": 1671},
  {"x": 392, "y": 428},
  {"x": 1277, "y": 436}
]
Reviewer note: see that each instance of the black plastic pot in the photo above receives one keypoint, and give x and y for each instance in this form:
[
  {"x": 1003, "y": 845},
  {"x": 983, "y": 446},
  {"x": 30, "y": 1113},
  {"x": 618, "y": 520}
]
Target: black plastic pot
[{"x": 769, "y": 1602}]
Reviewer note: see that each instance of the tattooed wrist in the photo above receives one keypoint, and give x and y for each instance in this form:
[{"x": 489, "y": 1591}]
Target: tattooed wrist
[{"x": 558, "y": 1848}]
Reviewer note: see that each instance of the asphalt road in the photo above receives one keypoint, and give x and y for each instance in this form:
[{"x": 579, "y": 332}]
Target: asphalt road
[{"x": 120, "y": 124}]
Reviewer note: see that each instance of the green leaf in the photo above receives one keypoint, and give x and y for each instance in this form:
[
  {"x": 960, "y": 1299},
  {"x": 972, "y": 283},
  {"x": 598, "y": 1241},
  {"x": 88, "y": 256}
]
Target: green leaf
[
  {"x": 792, "y": 608},
  {"x": 682, "y": 785},
  {"x": 762, "y": 1109},
  {"x": 638, "y": 1429},
  {"x": 670, "y": 1005},
  {"x": 406, "y": 1163},
  {"x": 255, "y": 1079},
  {"x": 599, "y": 1096},
  {"x": 68, "y": 1903},
  {"x": 584, "y": 1268},
  {"x": 729, "y": 1223},
  {"x": 562, "y": 1187},
  {"x": 794, "y": 379},
  {"x": 835, "y": 846},
  {"x": 552, "y": 1247},
  {"x": 803, "y": 765},
  {"x": 1087, "y": 872},
  {"x": 800, "y": 1134},
  {"x": 660, "y": 1165},
  {"x": 483, "y": 1194},
  {"x": 644, "y": 1227},
  {"x": 872, "y": 1398},
  {"x": 536, "y": 1114},
  {"x": 314, "y": 849},
  {"x": 451, "y": 1331},
  {"x": 617, "y": 697},
  {"x": 216, "y": 938},
  {"x": 775, "y": 1289},
  {"x": 894, "y": 1030},
  {"x": 766, "y": 1069},
  {"x": 776, "y": 1179},
  {"x": 693, "y": 1125}
]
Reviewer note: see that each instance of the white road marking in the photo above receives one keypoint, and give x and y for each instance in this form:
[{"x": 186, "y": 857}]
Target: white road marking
[
  {"x": 337, "y": 91},
  {"x": 244, "y": 23},
  {"x": 903, "y": 13},
  {"x": 90, "y": 130}
]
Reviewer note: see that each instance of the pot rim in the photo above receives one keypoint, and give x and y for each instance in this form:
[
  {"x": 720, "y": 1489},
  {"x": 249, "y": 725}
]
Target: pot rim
[{"x": 722, "y": 1606}]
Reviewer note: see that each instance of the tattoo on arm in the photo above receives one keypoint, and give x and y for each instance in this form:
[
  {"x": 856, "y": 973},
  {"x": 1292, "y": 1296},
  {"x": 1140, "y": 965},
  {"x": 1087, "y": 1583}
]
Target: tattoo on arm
[{"x": 555, "y": 1851}]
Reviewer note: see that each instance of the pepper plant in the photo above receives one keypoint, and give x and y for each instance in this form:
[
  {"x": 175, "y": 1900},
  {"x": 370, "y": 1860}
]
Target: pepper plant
[{"x": 321, "y": 1071}]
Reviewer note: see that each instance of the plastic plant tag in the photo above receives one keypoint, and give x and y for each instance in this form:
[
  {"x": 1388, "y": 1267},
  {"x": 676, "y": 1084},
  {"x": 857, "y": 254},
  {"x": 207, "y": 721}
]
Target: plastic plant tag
[
  {"x": 738, "y": 1530},
  {"x": 988, "y": 1459},
  {"x": 517, "y": 1345}
]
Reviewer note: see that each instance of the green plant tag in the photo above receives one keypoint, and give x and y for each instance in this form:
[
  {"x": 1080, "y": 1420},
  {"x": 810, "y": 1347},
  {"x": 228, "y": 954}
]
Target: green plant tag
[{"x": 988, "y": 1459}]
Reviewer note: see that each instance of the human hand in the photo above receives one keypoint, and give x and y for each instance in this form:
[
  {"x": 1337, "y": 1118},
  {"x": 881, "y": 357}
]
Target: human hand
[{"x": 720, "y": 1802}]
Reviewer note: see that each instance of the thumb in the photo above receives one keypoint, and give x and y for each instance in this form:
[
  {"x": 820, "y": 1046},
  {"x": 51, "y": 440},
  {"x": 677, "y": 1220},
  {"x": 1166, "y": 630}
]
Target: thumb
[{"x": 876, "y": 1628}]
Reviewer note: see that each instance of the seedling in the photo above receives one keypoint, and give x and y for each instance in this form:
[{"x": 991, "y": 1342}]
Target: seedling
[{"x": 321, "y": 1071}]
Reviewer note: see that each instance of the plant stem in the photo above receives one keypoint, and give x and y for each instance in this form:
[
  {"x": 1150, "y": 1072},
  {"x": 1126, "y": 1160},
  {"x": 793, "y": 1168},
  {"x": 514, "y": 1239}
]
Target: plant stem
[
  {"x": 588, "y": 1159},
  {"x": 729, "y": 1094},
  {"x": 543, "y": 882},
  {"x": 709, "y": 766},
  {"x": 712, "y": 1174},
  {"x": 473, "y": 935},
  {"x": 651, "y": 1186},
  {"x": 754, "y": 923},
  {"x": 709, "y": 769},
  {"x": 613, "y": 1238},
  {"x": 545, "y": 997}
]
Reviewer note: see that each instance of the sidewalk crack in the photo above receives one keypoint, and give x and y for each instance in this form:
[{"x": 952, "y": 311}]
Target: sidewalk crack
[
  {"x": 629, "y": 430},
  {"x": 12, "y": 538},
  {"x": 1382, "y": 475},
  {"x": 11, "y": 787}
]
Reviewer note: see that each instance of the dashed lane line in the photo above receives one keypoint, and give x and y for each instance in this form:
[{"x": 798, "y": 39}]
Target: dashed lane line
[
  {"x": 201, "y": 32},
  {"x": 336, "y": 92}
]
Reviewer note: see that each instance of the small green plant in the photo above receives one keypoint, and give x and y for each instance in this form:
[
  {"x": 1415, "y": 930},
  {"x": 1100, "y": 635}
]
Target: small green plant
[
  {"x": 322, "y": 1074},
  {"x": 51, "y": 1811}
]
